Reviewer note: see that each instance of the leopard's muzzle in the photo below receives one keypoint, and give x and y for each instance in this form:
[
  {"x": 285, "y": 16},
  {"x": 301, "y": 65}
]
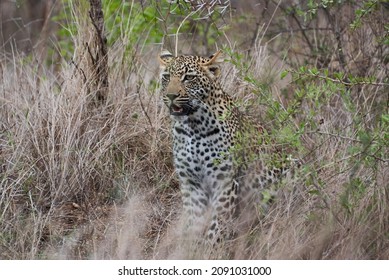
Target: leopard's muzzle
[{"x": 178, "y": 105}]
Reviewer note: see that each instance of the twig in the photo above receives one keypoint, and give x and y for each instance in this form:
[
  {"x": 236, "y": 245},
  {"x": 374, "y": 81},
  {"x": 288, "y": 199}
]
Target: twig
[
  {"x": 142, "y": 106},
  {"x": 178, "y": 30},
  {"x": 340, "y": 81},
  {"x": 79, "y": 69},
  {"x": 334, "y": 135}
]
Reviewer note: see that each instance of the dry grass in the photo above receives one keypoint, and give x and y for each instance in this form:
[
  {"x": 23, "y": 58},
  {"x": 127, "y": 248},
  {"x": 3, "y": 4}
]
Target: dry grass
[
  {"x": 80, "y": 181},
  {"x": 85, "y": 181},
  {"x": 65, "y": 163}
]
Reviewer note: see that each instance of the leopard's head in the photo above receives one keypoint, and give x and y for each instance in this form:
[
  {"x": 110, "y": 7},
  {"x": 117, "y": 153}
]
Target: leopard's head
[{"x": 188, "y": 81}]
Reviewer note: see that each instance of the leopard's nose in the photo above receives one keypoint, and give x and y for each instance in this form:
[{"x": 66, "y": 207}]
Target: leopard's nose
[{"x": 172, "y": 96}]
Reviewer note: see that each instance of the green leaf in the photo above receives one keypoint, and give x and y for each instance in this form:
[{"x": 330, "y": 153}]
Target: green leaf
[
  {"x": 314, "y": 71},
  {"x": 365, "y": 137},
  {"x": 385, "y": 118},
  {"x": 314, "y": 192},
  {"x": 284, "y": 74}
]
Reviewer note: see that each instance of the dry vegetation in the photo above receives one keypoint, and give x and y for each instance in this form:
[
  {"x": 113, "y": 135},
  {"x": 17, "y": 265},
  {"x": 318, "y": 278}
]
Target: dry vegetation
[{"x": 82, "y": 178}]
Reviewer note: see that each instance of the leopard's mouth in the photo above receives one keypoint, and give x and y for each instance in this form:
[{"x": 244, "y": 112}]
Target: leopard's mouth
[{"x": 178, "y": 110}]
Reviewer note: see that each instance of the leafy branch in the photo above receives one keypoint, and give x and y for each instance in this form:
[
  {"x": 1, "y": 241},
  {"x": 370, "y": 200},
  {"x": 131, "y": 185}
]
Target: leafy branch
[{"x": 336, "y": 77}]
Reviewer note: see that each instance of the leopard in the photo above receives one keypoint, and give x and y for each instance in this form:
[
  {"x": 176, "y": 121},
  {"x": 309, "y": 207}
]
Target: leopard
[{"x": 205, "y": 124}]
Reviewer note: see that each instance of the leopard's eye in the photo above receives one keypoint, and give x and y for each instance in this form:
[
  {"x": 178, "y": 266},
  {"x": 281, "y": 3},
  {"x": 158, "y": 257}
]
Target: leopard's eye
[
  {"x": 166, "y": 76},
  {"x": 189, "y": 77}
]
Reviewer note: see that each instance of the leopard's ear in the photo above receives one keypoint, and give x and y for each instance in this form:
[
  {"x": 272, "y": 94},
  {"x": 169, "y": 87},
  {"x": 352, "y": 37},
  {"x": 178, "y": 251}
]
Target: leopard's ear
[
  {"x": 212, "y": 65},
  {"x": 165, "y": 57},
  {"x": 216, "y": 58}
]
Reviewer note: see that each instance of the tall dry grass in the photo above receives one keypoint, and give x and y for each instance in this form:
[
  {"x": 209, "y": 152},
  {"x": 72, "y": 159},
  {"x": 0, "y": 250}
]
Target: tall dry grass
[
  {"x": 80, "y": 180},
  {"x": 66, "y": 163}
]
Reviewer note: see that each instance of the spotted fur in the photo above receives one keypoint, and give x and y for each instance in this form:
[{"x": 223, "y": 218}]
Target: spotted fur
[{"x": 204, "y": 125}]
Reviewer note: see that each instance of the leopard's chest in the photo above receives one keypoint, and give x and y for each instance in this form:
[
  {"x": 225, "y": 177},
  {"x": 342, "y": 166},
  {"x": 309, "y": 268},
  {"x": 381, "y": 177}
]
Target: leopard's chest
[{"x": 199, "y": 149}]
